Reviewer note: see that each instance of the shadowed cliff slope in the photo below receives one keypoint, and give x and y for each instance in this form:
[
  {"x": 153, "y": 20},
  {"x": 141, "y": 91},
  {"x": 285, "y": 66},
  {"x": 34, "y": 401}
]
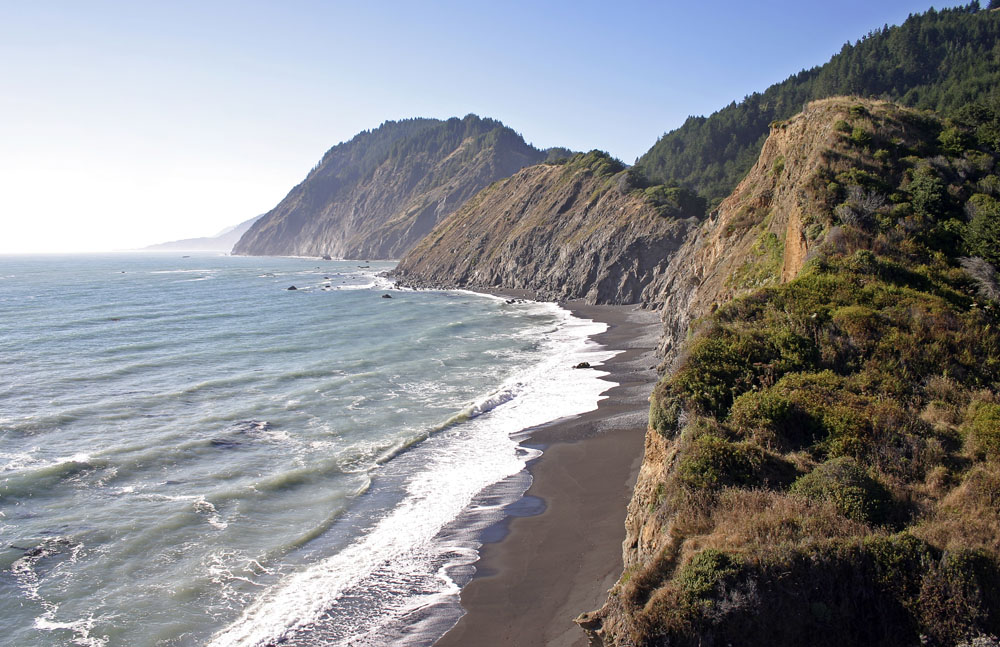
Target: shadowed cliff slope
[
  {"x": 823, "y": 460},
  {"x": 581, "y": 229},
  {"x": 378, "y": 194}
]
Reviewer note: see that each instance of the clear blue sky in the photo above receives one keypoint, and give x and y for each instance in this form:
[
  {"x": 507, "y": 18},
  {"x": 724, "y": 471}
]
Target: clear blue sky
[{"x": 128, "y": 123}]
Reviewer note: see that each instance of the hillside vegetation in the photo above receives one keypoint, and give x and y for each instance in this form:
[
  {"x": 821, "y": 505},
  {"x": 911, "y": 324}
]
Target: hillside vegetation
[
  {"x": 378, "y": 194},
  {"x": 939, "y": 60},
  {"x": 823, "y": 463}
]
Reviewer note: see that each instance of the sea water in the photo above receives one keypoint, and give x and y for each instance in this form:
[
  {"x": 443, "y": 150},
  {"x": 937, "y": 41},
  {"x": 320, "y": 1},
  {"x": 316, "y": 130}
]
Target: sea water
[{"x": 193, "y": 454}]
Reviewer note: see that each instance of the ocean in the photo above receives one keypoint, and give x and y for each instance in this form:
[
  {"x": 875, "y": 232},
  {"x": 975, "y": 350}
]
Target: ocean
[{"x": 193, "y": 454}]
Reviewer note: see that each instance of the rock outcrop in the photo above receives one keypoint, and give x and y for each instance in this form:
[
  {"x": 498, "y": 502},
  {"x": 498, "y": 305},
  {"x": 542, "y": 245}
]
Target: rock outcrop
[
  {"x": 579, "y": 230},
  {"x": 378, "y": 194}
]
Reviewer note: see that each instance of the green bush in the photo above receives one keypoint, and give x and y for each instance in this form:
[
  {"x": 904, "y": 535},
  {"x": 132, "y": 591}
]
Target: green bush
[
  {"x": 675, "y": 201},
  {"x": 665, "y": 410},
  {"x": 779, "y": 166},
  {"x": 982, "y": 424},
  {"x": 708, "y": 572},
  {"x": 712, "y": 462},
  {"x": 927, "y": 193},
  {"x": 982, "y": 235},
  {"x": 598, "y": 162},
  {"x": 772, "y": 411},
  {"x": 728, "y": 362},
  {"x": 845, "y": 484},
  {"x": 861, "y": 137},
  {"x": 954, "y": 141},
  {"x": 900, "y": 561}
]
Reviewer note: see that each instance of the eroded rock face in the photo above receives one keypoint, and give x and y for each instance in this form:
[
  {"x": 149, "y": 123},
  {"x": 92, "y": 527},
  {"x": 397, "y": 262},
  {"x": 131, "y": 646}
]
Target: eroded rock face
[
  {"x": 377, "y": 195},
  {"x": 561, "y": 231},
  {"x": 761, "y": 233}
]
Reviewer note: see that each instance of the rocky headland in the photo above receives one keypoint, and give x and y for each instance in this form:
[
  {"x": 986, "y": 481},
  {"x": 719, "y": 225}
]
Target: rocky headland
[
  {"x": 375, "y": 196},
  {"x": 584, "y": 229}
]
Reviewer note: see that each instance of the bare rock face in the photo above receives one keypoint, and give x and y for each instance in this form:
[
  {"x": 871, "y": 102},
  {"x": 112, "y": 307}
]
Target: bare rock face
[
  {"x": 570, "y": 231},
  {"x": 377, "y": 195}
]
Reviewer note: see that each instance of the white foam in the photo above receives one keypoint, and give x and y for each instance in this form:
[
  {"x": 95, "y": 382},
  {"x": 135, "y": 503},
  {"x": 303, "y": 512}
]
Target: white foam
[
  {"x": 457, "y": 464},
  {"x": 205, "y": 507}
]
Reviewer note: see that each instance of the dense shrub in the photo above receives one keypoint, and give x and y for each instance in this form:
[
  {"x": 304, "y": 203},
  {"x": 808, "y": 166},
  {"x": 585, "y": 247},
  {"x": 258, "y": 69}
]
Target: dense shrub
[
  {"x": 983, "y": 428},
  {"x": 983, "y": 232},
  {"x": 709, "y": 571},
  {"x": 843, "y": 482},
  {"x": 712, "y": 462}
]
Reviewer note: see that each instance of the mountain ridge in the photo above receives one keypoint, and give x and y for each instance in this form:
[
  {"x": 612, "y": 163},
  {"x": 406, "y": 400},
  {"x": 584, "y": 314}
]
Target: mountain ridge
[
  {"x": 376, "y": 195},
  {"x": 939, "y": 60},
  {"x": 577, "y": 230}
]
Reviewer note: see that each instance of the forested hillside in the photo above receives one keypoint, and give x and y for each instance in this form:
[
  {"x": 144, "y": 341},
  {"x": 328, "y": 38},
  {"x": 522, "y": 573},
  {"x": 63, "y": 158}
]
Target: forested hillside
[{"x": 939, "y": 60}]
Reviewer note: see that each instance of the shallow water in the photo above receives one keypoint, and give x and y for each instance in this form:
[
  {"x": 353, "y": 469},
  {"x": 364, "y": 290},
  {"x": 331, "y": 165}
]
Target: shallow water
[{"x": 192, "y": 454}]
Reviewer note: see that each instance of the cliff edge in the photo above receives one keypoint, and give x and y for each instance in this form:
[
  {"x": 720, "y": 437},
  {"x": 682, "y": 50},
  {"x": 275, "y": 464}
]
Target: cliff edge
[
  {"x": 822, "y": 463},
  {"x": 579, "y": 230}
]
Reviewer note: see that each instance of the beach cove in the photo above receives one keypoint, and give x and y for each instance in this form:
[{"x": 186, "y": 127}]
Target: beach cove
[{"x": 549, "y": 566}]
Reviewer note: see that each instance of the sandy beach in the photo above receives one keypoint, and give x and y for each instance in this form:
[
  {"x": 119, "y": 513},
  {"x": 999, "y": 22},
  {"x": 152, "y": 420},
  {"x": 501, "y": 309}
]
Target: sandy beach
[{"x": 550, "y": 567}]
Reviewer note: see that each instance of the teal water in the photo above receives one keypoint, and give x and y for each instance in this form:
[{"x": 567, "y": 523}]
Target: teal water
[{"x": 192, "y": 454}]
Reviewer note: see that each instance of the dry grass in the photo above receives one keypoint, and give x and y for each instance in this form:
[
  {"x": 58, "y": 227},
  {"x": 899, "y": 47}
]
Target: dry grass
[{"x": 969, "y": 515}]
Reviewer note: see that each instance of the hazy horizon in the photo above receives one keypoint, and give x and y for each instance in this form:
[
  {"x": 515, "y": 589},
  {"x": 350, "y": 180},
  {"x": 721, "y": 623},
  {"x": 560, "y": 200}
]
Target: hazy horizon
[{"x": 129, "y": 125}]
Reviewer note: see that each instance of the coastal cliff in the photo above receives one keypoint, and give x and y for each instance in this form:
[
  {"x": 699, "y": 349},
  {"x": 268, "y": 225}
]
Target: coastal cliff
[
  {"x": 821, "y": 462},
  {"x": 583, "y": 229},
  {"x": 763, "y": 232},
  {"x": 376, "y": 195}
]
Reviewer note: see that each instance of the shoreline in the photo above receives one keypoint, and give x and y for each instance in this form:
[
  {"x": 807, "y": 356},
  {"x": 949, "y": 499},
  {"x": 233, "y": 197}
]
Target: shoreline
[{"x": 547, "y": 568}]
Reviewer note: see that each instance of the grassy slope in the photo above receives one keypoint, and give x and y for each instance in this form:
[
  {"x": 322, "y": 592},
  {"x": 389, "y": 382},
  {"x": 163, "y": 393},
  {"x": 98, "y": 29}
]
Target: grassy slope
[{"x": 834, "y": 475}]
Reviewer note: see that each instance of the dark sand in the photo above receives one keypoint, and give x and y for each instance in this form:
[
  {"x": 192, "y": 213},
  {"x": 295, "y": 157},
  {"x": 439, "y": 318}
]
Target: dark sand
[{"x": 554, "y": 566}]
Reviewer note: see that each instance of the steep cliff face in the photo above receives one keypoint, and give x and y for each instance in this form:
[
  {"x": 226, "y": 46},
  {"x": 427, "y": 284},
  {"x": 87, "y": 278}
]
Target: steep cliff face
[
  {"x": 816, "y": 423},
  {"x": 576, "y": 230},
  {"x": 377, "y": 195},
  {"x": 762, "y": 233}
]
